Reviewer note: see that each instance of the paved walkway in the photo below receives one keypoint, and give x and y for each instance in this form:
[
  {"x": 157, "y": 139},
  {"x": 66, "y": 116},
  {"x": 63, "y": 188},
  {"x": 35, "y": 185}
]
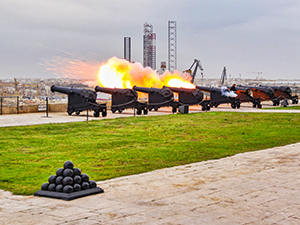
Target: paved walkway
[
  {"x": 260, "y": 187},
  {"x": 26, "y": 119},
  {"x": 62, "y": 117}
]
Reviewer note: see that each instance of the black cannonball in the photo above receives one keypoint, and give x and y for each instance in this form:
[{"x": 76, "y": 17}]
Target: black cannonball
[
  {"x": 85, "y": 185},
  {"x": 68, "y": 173},
  {"x": 52, "y": 179},
  {"x": 51, "y": 187},
  {"x": 59, "y": 172},
  {"x": 59, "y": 188},
  {"x": 77, "y": 187},
  {"x": 59, "y": 180},
  {"x": 45, "y": 186},
  {"x": 68, "y": 189},
  {"x": 68, "y": 165},
  {"x": 85, "y": 177},
  {"x": 77, "y": 171},
  {"x": 67, "y": 181},
  {"x": 92, "y": 184},
  {"x": 77, "y": 179}
]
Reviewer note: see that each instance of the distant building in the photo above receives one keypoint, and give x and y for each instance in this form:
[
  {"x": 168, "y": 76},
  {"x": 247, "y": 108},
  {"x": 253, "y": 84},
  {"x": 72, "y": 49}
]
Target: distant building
[
  {"x": 149, "y": 43},
  {"x": 172, "y": 45},
  {"x": 127, "y": 48}
]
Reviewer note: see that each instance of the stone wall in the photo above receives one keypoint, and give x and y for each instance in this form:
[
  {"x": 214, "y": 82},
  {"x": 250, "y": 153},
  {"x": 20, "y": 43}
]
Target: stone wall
[{"x": 61, "y": 107}]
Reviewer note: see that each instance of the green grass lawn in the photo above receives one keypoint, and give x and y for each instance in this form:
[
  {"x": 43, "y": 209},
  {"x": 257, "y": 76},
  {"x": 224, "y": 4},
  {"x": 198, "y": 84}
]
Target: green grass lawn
[
  {"x": 116, "y": 147},
  {"x": 290, "y": 107}
]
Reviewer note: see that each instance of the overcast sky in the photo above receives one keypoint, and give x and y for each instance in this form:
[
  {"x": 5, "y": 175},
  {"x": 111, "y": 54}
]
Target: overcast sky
[{"x": 248, "y": 37}]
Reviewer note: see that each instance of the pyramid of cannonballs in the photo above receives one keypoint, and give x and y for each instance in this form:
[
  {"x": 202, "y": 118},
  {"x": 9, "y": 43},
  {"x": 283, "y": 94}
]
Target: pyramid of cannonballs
[{"x": 68, "y": 183}]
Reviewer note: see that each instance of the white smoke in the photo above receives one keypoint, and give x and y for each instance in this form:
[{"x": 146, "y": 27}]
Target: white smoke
[{"x": 226, "y": 92}]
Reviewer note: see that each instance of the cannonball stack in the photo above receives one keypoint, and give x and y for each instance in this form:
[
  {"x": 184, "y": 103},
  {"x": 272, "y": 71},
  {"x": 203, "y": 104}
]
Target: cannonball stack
[{"x": 68, "y": 180}]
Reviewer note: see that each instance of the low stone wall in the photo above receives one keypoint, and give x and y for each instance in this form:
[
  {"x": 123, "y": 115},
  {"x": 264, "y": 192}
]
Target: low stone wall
[{"x": 61, "y": 107}]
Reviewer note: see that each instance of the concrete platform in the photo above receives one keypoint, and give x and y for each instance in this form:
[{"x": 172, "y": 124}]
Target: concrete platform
[{"x": 260, "y": 187}]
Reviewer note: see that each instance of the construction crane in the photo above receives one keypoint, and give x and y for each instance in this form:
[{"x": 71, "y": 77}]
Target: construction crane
[
  {"x": 9, "y": 84},
  {"x": 16, "y": 85},
  {"x": 197, "y": 64},
  {"x": 223, "y": 77}
]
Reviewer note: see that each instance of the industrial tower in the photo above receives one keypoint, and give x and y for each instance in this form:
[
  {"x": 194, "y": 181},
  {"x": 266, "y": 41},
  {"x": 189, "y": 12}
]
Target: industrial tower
[
  {"x": 149, "y": 46},
  {"x": 127, "y": 48},
  {"x": 172, "y": 46}
]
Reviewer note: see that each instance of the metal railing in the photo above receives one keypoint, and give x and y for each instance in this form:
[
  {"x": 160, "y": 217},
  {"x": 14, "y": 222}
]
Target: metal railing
[{"x": 4, "y": 102}]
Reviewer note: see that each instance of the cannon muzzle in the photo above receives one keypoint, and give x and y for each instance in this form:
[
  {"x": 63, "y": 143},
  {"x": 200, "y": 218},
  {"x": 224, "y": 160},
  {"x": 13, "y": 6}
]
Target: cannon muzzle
[
  {"x": 64, "y": 90},
  {"x": 207, "y": 89}
]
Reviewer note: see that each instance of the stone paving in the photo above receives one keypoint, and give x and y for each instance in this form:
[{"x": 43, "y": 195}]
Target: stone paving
[{"x": 260, "y": 187}]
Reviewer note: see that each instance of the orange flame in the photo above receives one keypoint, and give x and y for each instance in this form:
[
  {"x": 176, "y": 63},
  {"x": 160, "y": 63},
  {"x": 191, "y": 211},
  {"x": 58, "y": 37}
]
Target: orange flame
[{"x": 119, "y": 73}]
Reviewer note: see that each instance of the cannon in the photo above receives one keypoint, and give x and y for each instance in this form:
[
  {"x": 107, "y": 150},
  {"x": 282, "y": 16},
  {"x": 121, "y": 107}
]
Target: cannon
[
  {"x": 80, "y": 100},
  {"x": 265, "y": 93},
  {"x": 188, "y": 96},
  {"x": 279, "y": 93},
  {"x": 284, "y": 92},
  {"x": 159, "y": 97},
  {"x": 245, "y": 94},
  {"x": 123, "y": 99},
  {"x": 220, "y": 96}
]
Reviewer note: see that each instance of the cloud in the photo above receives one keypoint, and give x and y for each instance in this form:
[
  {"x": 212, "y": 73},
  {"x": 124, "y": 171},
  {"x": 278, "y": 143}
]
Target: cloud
[{"x": 257, "y": 35}]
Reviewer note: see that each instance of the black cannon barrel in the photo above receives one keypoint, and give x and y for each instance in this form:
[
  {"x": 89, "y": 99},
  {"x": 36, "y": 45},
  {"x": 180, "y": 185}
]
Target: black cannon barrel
[
  {"x": 179, "y": 89},
  {"x": 83, "y": 93},
  {"x": 106, "y": 90},
  {"x": 113, "y": 90},
  {"x": 207, "y": 89},
  {"x": 65, "y": 90},
  {"x": 119, "y": 93},
  {"x": 146, "y": 90}
]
